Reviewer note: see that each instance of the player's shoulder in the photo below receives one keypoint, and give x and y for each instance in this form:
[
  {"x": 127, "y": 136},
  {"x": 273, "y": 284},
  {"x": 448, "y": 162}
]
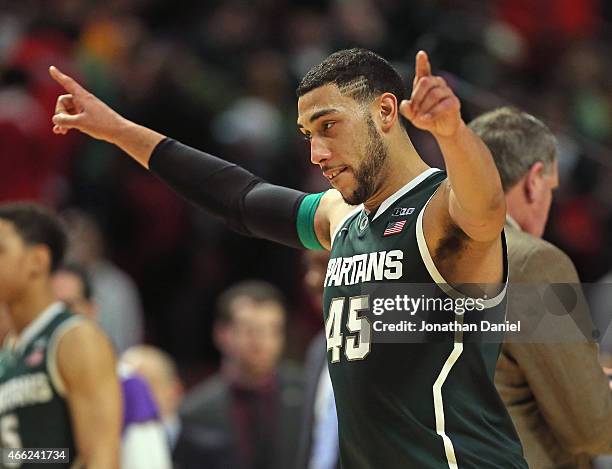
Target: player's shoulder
[
  {"x": 531, "y": 257},
  {"x": 334, "y": 206},
  {"x": 81, "y": 355},
  {"x": 81, "y": 342},
  {"x": 80, "y": 331},
  {"x": 331, "y": 213}
]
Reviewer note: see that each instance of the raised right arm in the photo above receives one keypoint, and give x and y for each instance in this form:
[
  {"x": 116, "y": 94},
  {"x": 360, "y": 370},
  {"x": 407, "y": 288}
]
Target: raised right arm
[{"x": 248, "y": 204}]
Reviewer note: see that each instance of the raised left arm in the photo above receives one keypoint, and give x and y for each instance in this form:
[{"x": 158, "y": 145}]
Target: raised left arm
[{"x": 476, "y": 202}]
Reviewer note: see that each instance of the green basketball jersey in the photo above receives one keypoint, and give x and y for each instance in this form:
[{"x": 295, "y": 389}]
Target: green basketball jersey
[
  {"x": 33, "y": 410},
  {"x": 428, "y": 404}
]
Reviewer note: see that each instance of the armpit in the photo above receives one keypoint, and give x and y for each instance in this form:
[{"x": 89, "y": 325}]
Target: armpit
[{"x": 450, "y": 248}]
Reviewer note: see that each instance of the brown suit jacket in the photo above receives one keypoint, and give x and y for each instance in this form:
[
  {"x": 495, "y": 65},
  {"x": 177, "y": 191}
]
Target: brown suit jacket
[{"x": 556, "y": 393}]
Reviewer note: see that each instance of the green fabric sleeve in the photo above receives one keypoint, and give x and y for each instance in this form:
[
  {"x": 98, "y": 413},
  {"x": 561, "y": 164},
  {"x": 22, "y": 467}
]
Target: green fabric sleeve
[{"x": 305, "y": 221}]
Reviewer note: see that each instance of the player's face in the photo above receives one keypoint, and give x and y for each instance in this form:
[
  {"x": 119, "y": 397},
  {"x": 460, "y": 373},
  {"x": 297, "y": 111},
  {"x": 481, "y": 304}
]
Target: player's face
[
  {"x": 14, "y": 263},
  {"x": 344, "y": 142},
  {"x": 256, "y": 336}
]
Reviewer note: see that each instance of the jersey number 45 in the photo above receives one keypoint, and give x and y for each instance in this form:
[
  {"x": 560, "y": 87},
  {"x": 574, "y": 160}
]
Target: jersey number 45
[{"x": 357, "y": 344}]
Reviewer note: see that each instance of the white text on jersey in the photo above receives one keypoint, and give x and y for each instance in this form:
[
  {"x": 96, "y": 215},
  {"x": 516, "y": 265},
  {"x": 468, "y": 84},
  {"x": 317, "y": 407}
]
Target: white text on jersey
[{"x": 360, "y": 268}]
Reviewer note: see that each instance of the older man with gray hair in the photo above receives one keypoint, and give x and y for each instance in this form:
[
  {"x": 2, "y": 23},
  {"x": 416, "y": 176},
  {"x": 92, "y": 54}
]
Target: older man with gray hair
[{"x": 556, "y": 393}]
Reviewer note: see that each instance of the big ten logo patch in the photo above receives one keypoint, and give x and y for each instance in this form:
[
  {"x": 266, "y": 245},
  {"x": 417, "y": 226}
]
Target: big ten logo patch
[{"x": 402, "y": 211}]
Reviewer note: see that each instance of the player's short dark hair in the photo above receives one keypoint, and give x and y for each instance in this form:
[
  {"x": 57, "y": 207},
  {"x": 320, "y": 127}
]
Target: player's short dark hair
[
  {"x": 37, "y": 225},
  {"x": 359, "y": 73},
  {"x": 257, "y": 291},
  {"x": 80, "y": 273},
  {"x": 517, "y": 141}
]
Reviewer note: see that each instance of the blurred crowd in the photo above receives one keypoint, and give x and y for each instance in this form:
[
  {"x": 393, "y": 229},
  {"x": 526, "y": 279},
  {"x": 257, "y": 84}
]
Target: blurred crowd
[{"x": 220, "y": 76}]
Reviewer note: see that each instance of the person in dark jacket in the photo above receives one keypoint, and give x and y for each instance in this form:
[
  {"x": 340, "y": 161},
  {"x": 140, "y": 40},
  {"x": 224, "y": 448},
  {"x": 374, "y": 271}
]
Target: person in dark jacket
[{"x": 247, "y": 415}]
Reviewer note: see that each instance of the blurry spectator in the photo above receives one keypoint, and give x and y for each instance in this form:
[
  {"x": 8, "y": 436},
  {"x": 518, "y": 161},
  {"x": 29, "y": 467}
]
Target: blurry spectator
[
  {"x": 360, "y": 23},
  {"x": 309, "y": 42},
  {"x": 71, "y": 285},
  {"x": 253, "y": 127},
  {"x": 319, "y": 437},
  {"x": 247, "y": 416},
  {"x": 159, "y": 370},
  {"x": 554, "y": 388},
  {"x": 143, "y": 445},
  {"x": 119, "y": 308},
  {"x": 35, "y": 169}
]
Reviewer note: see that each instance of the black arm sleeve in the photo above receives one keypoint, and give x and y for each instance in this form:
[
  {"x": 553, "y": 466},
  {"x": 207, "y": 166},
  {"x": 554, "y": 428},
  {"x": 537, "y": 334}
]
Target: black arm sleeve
[{"x": 248, "y": 204}]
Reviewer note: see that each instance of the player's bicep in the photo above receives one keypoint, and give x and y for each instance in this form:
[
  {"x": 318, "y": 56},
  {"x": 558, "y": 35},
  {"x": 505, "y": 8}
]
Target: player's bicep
[
  {"x": 87, "y": 366},
  {"x": 476, "y": 228},
  {"x": 331, "y": 210}
]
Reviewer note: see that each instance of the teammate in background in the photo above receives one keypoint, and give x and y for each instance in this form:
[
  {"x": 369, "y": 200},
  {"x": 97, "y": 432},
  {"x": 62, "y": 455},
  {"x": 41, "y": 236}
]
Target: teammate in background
[
  {"x": 557, "y": 394},
  {"x": 388, "y": 218},
  {"x": 143, "y": 443},
  {"x": 58, "y": 384},
  {"x": 159, "y": 369}
]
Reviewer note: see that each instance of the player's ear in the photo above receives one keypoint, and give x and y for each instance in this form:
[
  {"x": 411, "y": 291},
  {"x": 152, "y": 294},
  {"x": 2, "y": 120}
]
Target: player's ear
[
  {"x": 388, "y": 109},
  {"x": 39, "y": 260},
  {"x": 533, "y": 181}
]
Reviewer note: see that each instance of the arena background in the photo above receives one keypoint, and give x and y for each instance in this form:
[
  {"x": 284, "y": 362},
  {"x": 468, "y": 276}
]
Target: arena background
[{"x": 220, "y": 76}]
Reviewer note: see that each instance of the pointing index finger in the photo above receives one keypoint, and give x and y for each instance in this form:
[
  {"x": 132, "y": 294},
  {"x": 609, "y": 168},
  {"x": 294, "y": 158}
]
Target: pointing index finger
[
  {"x": 422, "y": 66},
  {"x": 68, "y": 83}
]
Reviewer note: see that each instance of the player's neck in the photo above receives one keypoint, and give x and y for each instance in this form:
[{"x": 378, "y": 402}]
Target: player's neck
[
  {"x": 403, "y": 165},
  {"x": 30, "y": 305}
]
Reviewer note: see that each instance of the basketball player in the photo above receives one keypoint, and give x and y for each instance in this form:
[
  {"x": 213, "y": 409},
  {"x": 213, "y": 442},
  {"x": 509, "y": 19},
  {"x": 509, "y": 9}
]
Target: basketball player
[
  {"x": 389, "y": 218},
  {"x": 58, "y": 385}
]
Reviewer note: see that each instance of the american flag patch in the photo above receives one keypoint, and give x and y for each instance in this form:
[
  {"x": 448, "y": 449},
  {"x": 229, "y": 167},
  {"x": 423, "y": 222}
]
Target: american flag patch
[{"x": 394, "y": 227}]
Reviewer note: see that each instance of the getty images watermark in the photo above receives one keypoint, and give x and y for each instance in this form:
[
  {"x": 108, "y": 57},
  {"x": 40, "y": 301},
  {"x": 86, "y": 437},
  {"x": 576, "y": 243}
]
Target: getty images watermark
[
  {"x": 404, "y": 304},
  {"x": 528, "y": 313}
]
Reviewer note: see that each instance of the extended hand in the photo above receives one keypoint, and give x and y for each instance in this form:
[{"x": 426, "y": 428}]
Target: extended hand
[
  {"x": 432, "y": 106},
  {"x": 83, "y": 111}
]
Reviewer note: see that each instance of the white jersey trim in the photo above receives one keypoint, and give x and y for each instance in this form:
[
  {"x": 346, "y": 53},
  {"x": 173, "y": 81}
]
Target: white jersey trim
[
  {"x": 52, "y": 368},
  {"x": 36, "y": 326},
  {"x": 449, "y": 449},
  {"x": 457, "y": 350},
  {"x": 435, "y": 273},
  {"x": 389, "y": 201}
]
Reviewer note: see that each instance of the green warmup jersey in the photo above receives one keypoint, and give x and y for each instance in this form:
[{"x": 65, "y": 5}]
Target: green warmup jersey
[
  {"x": 430, "y": 404},
  {"x": 33, "y": 410}
]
